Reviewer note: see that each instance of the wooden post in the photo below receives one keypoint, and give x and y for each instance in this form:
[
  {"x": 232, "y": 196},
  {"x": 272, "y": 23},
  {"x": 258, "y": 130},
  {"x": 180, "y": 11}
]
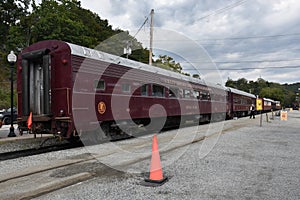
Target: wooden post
[
  {"x": 260, "y": 118},
  {"x": 272, "y": 115},
  {"x": 267, "y": 117}
]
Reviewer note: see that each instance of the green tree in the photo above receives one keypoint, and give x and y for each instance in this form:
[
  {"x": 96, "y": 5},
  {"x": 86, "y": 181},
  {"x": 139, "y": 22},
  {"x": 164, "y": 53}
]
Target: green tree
[
  {"x": 272, "y": 93},
  {"x": 59, "y": 20},
  {"x": 63, "y": 20},
  {"x": 167, "y": 62},
  {"x": 243, "y": 84},
  {"x": 230, "y": 83},
  {"x": 116, "y": 44},
  {"x": 11, "y": 11},
  {"x": 284, "y": 93},
  {"x": 66, "y": 20}
]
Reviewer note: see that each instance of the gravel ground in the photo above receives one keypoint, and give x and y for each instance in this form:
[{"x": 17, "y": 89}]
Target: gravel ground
[
  {"x": 26, "y": 141},
  {"x": 252, "y": 162}
]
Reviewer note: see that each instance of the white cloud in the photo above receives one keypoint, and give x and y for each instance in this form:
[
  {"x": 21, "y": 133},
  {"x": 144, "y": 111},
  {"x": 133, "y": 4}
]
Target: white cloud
[
  {"x": 282, "y": 14},
  {"x": 233, "y": 55},
  {"x": 253, "y": 18}
]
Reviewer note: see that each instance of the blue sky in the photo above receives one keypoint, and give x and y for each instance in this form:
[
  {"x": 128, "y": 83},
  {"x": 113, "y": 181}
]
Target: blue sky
[{"x": 244, "y": 38}]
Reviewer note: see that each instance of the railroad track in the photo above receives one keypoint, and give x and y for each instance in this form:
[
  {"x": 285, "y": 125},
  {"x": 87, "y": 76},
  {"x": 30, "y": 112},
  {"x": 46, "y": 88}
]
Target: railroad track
[
  {"x": 59, "y": 146},
  {"x": 38, "y": 150},
  {"x": 56, "y": 173}
]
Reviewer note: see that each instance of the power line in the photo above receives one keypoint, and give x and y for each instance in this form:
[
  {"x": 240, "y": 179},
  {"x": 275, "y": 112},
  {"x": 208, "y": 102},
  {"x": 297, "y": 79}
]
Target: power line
[
  {"x": 255, "y": 52},
  {"x": 234, "y": 38},
  {"x": 147, "y": 18},
  {"x": 244, "y": 68},
  {"x": 251, "y": 37},
  {"x": 240, "y": 61},
  {"x": 224, "y": 9},
  {"x": 255, "y": 61}
]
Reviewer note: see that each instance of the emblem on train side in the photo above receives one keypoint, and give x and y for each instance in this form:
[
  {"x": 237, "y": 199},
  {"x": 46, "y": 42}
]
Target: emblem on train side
[{"x": 101, "y": 107}]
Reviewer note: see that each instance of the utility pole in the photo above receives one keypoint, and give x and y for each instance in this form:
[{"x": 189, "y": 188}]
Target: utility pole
[{"x": 151, "y": 36}]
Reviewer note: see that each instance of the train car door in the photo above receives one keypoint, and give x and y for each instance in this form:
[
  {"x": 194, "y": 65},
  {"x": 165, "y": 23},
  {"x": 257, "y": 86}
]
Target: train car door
[{"x": 36, "y": 68}]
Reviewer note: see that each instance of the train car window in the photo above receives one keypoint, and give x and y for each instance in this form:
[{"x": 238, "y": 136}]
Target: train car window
[
  {"x": 201, "y": 96},
  {"x": 158, "y": 90},
  {"x": 242, "y": 100},
  {"x": 208, "y": 96},
  {"x": 180, "y": 93},
  {"x": 99, "y": 84},
  {"x": 126, "y": 87},
  {"x": 236, "y": 100},
  {"x": 173, "y": 92},
  {"x": 196, "y": 94},
  {"x": 214, "y": 97},
  {"x": 205, "y": 95},
  {"x": 144, "y": 90},
  {"x": 187, "y": 93}
]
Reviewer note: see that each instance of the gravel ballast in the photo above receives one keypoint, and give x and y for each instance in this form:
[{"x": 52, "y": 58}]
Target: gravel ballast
[{"x": 251, "y": 162}]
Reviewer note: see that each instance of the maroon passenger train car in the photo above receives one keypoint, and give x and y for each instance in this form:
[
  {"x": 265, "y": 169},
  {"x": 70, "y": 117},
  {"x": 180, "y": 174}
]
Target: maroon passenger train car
[
  {"x": 268, "y": 104},
  {"x": 72, "y": 89},
  {"x": 239, "y": 102}
]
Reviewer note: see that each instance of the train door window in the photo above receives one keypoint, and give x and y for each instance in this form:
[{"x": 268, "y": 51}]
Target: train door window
[
  {"x": 205, "y": 95},
  {"x": 99, "y": 84},
  {"x": 173, "y": 92},
  {"x": 126, "y": 88},
  {"x": 158, "y": 90},
  {"x": 187, "y": 93},
  {"x": 144, "y": 90}
]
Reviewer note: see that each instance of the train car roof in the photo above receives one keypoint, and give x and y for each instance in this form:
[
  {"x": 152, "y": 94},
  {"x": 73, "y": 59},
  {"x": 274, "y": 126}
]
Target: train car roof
[
  {"x": 270, "y": 100},
  {"x": 102, "y": 56},
  {"x": 236, "y": 91}
]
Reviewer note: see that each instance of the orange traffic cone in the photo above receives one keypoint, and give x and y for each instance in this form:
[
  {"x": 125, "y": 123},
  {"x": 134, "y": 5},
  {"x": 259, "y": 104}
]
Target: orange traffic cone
[
  {"x": 29, "y": 121},
  {"x": 156, "y": 175}
]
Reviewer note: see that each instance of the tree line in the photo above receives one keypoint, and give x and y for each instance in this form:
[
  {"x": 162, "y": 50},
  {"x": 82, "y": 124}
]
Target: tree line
[
  {"x": 22, "y": 23},
  {"x": 285, "y": 93}
]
